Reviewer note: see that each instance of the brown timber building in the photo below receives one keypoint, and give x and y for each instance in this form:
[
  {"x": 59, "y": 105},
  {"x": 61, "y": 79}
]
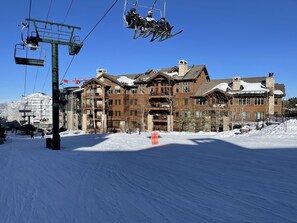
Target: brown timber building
[{"x": 180, "y": 98}]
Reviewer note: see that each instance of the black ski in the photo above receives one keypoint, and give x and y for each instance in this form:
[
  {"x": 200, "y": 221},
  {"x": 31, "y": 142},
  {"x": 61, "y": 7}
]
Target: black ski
[
  {"x": 136, "y": 35},
  {"x": 156, "y": 36},
  {"x": 165, "y": 37}
]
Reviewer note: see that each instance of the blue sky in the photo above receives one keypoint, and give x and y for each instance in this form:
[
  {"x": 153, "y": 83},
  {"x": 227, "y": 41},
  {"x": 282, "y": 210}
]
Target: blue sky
[{"x": 232, "y": 38}]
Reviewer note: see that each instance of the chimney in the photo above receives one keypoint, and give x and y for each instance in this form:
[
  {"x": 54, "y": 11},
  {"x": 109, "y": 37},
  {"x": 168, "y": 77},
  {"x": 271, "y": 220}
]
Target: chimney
[
  {"x": 270, "y": 82},
  {"x": 100, "y": 71},
  {"x": 270, "y": 87},
  {"x": 236, "y": 83},
  {"x": 182, "y": 67}
]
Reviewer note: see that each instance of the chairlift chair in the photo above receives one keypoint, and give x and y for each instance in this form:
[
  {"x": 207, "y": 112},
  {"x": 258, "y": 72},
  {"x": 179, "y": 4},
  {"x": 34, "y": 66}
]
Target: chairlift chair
[
  {"x": 144, "y": 29},
  {"x": 135, "y": 4},
  {"x": 74, "y": 46},
  {"x": 21, "y": 47}
]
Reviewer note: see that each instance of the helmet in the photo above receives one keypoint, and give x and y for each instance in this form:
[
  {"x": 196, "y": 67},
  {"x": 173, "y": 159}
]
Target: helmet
[
  {"x": 149, "y": 12},
  {"x": 133, "y": 10}
]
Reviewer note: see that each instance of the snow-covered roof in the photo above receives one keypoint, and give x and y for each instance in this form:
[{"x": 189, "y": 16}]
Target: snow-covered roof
[
  {"x": 171, "y": 74},
  {"x": 225, "y": 86},
  {"x": 38, "y": 95},
  {"x": 252, "y": 87},
  {"x": 78, "y": 90},
  {"x": 221, "y": 86},
  {"x": 126, "y": 80},
  {"x": 278, "y": 92}
]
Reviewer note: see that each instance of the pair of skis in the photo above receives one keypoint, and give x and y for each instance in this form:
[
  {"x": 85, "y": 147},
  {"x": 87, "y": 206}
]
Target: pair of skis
[{"x": 162, "y": 36}]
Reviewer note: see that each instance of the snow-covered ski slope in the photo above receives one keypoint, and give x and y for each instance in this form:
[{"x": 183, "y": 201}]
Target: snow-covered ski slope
[{"x": 202, "y": 177}]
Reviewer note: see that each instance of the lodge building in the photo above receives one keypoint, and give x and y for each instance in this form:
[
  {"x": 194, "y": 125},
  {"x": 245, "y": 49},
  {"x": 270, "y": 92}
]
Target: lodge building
[{"x": 180, "y": 98}]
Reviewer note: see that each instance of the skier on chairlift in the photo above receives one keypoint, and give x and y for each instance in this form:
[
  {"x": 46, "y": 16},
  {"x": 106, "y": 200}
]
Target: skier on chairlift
[
  {"x": 151, "y": 21},
  {"x": 164, "y": 26},
  {"x": 133, "y": 19}
]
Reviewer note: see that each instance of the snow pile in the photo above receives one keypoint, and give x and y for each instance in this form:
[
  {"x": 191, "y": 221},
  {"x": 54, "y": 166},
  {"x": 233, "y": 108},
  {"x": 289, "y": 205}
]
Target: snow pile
[{"x": 288, "y": 127}]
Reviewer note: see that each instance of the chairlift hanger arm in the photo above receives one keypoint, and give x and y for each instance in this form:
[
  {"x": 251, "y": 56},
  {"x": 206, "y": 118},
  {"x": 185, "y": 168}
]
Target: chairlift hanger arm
[
  {"x": 60, "y": 32},
  {"x": 154, "y": 4},
  {"x": 52, "y": 23}
]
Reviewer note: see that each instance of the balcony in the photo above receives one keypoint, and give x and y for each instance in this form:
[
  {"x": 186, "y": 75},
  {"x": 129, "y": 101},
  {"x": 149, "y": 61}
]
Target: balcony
[
  {"x": 163, "y": 94},
  {"x": 160, "y": 118},
  {"x": 159, "y": 106},
  {"x": 91, "y": 117},
  {"x": 91, "y": 106},
  {"x": 94, "y": 95}
]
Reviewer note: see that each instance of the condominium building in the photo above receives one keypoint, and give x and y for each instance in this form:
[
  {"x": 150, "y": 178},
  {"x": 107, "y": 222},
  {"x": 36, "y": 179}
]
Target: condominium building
[
  {"x": 179, "y": 98},
  {"x": 35, "y": 109}
]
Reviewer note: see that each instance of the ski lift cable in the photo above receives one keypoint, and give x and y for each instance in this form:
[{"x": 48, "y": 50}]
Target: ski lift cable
[
  {"x": 67, "y": 68},
  {"x": 25, "y": 82},
  {"x": 30, "y": 9},
  {"x": 90, "y": 34},
  {"x": 44, "y": 34},
  {"x": 68, "y": 11},
  {"x": 40, "y": 55},
  {"x": 100, "y": 20},
  {"x": 45, "y": 79}
]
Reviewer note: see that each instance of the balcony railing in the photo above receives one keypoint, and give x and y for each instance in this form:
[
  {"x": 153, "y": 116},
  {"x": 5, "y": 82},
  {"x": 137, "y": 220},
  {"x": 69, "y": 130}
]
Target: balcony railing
[
  {"x": 94, "y": 95},
  {"x": 160, "y": 105},
  {"x": 91, "y": 106},
  {"x": 159, "y": 117},
  {"x": 158, "y": 93},
  {"x": 90, "y": 116}
]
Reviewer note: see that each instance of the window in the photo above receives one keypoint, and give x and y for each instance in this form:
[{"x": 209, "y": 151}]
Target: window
[
  {"x": 259, "y": 101},
  {"x": 109, "y": 91},
  {"x": 110, "y": 113},
  {"x": 186, "y": 87},
  {"x": 275, "y": 101},
  {"x": 133, "y": 112},
  {"x": 116, "y": 124},
  {"x": 133, "y": 101},
  {"x": 110, "y": 102},
  {"x": 141, "y": 89},
  {"x": 200, "y": 101},
  {"x": 177, "y": 87},
  {"x": 187, "y": 114},
  {"x": 199, "y": 114},
  {"x": 186, "y": 101},
  {"x": 244, "y": 101},
  {"x": 246, "y": 116},
  {"x": 117, "y": 89},
  {"x": 117, "y": 113},
  {"x": 259, "y": 115},
  {"x": 133, "y": 91},
  {"x": 117, "y": 102}
]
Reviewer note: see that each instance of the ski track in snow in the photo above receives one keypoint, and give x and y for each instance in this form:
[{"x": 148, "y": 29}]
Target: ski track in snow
[{"x": 123, "y": 178}]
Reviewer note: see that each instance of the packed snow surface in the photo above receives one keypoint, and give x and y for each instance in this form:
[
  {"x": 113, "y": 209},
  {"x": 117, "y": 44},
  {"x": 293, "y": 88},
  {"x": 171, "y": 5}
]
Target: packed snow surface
[{"x": 186, "y": 177}]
